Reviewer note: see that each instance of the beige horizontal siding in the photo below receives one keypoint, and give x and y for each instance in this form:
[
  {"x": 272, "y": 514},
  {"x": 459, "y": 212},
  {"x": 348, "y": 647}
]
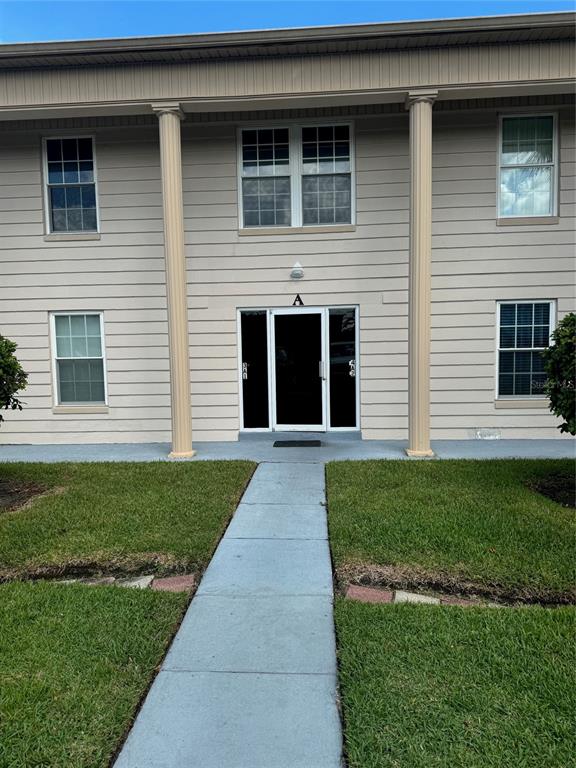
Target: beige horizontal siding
[{"x": 475, "y": 263}]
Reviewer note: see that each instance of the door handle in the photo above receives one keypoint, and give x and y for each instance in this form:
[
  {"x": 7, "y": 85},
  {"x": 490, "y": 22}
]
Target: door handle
[
  {"x": 244, "y": 371},
  {"x": 352, "y": 368},
  {"x": 321, "y": 371}
]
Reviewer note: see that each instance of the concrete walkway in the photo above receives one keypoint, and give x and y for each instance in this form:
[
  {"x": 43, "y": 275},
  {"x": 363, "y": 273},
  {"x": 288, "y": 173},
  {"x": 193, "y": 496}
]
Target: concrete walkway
[
  {"x": 250, "y": 680},
  {"x": 336, "y": 446}
]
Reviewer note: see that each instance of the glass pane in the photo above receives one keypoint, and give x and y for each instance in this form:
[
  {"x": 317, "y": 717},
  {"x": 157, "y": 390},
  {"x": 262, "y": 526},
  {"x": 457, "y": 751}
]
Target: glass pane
[
  {"x": 93, "y": 325},
  {"x": 527, "y": 140},
  {"x": 522, "y": 362},
  {"x": 524, "y": 314},
  {"x": 72, "y": 197},
  {"x": 342, "y": 328},
  {"x": 85, "y": 149},
  {"x": 62, "y": 325},
  {"x": 265, "y": 152},
  {"x": 538, "y": 384},
  {"x": 79, "y": 348},
  {"x": 77, "y": 325},
  {"x": 86, "y": 171},
  {"x": 63, "y": 346},
  {"x": 266, "y": 202},
  {"x": 96, "y": 368},
  {"x": 97, "y": 392},
  {"x": 322, "y": 153},
  {"x": 58, "y": 197},
  {"x": 59, "y": 221},
  {"x": 74, "y": 220},
  {"x": 53, "y": 149},
  {"x": 522, "y": 384},
  {"x": 524, "y": 336},
  {"x": 89, "y": 221},
  {"x": 507, "y": 314},
  {"x": 70, "y": 149},
  {"x": 55, "y": 173},
  {"x": 71, "y": 174},
  {"x": 526, "y": 191},
  {"x": 507, "y": 362},
  {"x": 537, "y": 363},
  {"x": 66, "y": 370},
  {"x": 542, "y": 314},
  {"x": 507, "y": 337},
  {"x": 93, "y": 346},
  {"x": 541, "y": 335},
  {"x": 255, "y": 369},
  {"x": 506, "y": 384},
  {"x": 324, "y": 201}
]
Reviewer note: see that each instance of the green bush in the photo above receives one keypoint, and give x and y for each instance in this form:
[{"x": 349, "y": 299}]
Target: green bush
[
  {"x": 12, "y": 377},
  {"x": 560, "y": 365}
]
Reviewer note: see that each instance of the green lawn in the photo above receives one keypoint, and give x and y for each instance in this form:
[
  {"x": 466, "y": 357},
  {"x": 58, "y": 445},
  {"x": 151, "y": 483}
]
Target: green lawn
[
  {"x": 433, "y": 687},
  {"x": 151, "y": 517},
  {"x": 464, "y": 525},
  {"x": 75, "y": 661}
]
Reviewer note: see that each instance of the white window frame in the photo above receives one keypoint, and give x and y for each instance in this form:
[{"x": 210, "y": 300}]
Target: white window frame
[
  {"x": 47, "y": 211},
  {"x": 55, "y": 358},
  {"x": 499, "y": 304},
  {"x": 555, "y": 176},
  {"x": 294, "y": 171}
]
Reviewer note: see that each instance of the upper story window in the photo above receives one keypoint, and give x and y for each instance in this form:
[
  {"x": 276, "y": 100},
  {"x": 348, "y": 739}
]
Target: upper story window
[
  {"x": 296, "y": 176},
  {"x": 70, "y": 185},
  {"x": 528, "y": 166},
  {"x": 524, "y": 331}
]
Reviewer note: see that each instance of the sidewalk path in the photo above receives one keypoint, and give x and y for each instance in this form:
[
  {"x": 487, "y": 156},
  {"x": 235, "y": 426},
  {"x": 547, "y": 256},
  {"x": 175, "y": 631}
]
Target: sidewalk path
[{"x": 250, "y": 680}]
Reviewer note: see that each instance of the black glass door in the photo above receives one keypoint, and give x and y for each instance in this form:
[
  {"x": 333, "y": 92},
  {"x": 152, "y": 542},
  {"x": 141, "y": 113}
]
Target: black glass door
[
  {"x": 254, "y": 330},
  {"x": 299, "y": 376},
  {"x": 342, "y": 340}
]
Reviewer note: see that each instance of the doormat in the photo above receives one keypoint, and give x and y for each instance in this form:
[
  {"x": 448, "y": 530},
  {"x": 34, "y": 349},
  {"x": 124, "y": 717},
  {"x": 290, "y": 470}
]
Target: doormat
[{"x": 297, "y": 444}]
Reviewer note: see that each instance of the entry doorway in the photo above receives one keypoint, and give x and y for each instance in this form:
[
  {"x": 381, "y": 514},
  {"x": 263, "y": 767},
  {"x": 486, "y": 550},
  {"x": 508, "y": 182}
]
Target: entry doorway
[{"x": 298, "y": 369}]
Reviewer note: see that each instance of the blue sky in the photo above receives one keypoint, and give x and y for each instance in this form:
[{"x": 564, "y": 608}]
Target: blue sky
[{"x": 27, "y": 20}]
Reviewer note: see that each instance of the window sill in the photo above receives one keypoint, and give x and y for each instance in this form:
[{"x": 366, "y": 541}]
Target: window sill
[
  {"x": 312, "y": 230},
  {"x": 537, "y": 402},
  {"x": 60, "y": 237},
  {"x": 520, "y": 221},
  {"x": 80, "y": 409}
]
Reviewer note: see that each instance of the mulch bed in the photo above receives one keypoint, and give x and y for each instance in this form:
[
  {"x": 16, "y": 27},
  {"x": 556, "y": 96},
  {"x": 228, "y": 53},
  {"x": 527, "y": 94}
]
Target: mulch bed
[
  {"x": 560, "y": 488},
  {"x": 16, "y": 493}
]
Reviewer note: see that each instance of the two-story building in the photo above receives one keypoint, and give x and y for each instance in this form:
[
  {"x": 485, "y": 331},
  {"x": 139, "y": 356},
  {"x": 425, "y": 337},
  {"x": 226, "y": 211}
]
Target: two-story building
[{"x": 365, "y": 228}]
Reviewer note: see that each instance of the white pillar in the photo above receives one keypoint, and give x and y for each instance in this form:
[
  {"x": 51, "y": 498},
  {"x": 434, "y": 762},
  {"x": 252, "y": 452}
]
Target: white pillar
[
  {"x": 420, "y": 105},
  {"x": 169, "y": 117}
]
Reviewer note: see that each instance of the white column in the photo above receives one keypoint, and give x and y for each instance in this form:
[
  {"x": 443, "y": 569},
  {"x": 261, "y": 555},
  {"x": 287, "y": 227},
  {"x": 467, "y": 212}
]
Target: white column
[
  {"x": 169, "y": 117},
  {"x": 420, "y": 105}
]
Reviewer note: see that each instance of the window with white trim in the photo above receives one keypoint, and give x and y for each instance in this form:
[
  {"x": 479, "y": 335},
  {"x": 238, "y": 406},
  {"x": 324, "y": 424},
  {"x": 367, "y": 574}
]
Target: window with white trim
[
  {"x": 296, "y": 176},
  {"x": 524, "y": 331},
  {"x": 79, "y": 365},
  {"x": 528, "y": 166},
  {"x": 70, "y": 185}
]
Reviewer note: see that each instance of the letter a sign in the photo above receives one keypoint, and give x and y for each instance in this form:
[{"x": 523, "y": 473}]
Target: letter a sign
[{"x": 297, "y": 301}]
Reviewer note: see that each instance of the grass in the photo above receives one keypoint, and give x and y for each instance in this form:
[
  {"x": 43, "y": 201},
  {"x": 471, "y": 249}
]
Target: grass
[
  {"x": 158, "y": 517},
  {"x": 75, "y": 662},
  {"x": 468, "y": 526},
  {"x": 432, "y": 687}
]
